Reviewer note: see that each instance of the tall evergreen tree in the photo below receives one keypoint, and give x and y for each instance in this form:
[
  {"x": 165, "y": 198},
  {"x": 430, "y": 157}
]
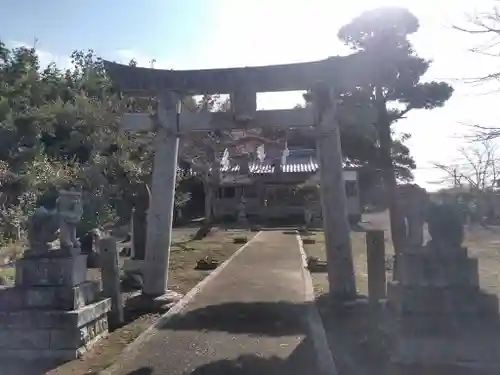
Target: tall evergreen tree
[{"x": 382, "y": 34}]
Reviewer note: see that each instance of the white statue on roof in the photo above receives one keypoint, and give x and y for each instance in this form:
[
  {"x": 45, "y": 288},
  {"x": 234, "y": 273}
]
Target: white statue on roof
[
  {"x": 261, "y": 153},
  {"x": 225, "y": 160},
  {"x": 284, "y": 154}
]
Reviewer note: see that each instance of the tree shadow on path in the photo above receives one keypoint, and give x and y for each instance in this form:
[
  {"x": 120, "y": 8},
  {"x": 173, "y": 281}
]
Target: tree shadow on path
[
  {"x": 142, "y": 371},
  {"x": 22, "y": 367},
  {"x": 300, "y": 362},
  {"x": 260, "y": 318}
]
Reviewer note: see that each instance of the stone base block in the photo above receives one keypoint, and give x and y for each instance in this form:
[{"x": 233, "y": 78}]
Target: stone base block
[
  {"x": 442, "y": 325},
  {"x": 53, "y": 268},
  {"x": 54, "y": 334},
  {"x": 451, "y": 300},
  {"x": 49, "y": 297},
  {"x": 45, "y": 319},
  {"x": 471, "y": 349},
  {"x": 437, "y": 270},
  {"x": 442, "y": 255},
  {"x": 442, "y": 369},
  {"x": 60, "y": 355}
]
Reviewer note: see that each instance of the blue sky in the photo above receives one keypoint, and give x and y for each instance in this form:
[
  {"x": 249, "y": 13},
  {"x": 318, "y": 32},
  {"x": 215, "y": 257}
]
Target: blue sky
[
  {"x": 168, "y": 27},
  {"x": 191, "y": 34}
]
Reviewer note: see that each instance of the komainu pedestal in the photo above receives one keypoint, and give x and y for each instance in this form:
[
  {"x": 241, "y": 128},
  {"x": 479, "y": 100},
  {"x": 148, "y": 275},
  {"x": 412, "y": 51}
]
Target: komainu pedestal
[
  {"x": 442, "y": 320},
  {"x": 52, "y": 311}
]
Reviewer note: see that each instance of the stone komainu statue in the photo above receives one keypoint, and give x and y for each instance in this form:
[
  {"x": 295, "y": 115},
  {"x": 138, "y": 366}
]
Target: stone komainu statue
[
  {"x": 70, "y": 210},
  {"x": 445, "y": 225},
  {"x": 43, "y": 228},
  {"x": 414, "y": 203}
]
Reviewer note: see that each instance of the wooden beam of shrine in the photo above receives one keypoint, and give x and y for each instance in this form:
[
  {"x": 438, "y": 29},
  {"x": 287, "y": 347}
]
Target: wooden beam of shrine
[
  {"x": 210, "y": 121},
  {"x": 342, "y": 72}
]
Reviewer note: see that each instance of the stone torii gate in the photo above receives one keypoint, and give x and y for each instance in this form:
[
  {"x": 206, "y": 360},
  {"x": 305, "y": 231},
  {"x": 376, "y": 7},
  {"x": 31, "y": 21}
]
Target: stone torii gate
[{"x": 242, "y": 84}]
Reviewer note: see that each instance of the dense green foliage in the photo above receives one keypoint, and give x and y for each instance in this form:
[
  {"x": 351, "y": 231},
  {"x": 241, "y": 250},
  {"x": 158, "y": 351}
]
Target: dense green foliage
[
  {"x": 395, "y": 87},
  {"x": 59, "y": 129},
  {"x": 382, "y": 35}
]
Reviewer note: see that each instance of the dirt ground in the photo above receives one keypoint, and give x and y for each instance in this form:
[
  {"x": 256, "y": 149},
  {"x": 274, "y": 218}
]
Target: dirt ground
[
  {"x": 357, "y": 344},
  {"x": 182, "y": 278},
  {"x": 348, "y": 332}
]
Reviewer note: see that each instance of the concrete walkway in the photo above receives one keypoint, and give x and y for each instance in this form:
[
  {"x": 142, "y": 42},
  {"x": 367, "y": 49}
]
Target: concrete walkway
[{"x": 250, "y": 319}]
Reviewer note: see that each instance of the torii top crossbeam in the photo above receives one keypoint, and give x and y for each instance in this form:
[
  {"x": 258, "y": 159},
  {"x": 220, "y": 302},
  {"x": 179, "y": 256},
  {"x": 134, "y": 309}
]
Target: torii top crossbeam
[{"x": 341, "y": 72}]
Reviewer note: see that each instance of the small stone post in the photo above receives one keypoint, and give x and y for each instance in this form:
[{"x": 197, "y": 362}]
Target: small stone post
[
  {"x": 333, "y": 198},
  {"x": 242, "y": 214},
  {"x": 139, "y": 217},
  {"x": 375, "y": 247},
  {"x": 110, "y": 272},
  {"x": 160, "y": 213},
  {"x": 132, "y": 247}
]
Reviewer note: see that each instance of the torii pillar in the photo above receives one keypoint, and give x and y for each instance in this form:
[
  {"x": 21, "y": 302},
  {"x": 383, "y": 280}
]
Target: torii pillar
[
  {"x": 337, "y": 231},
  {"x": 160, "y": 213}
]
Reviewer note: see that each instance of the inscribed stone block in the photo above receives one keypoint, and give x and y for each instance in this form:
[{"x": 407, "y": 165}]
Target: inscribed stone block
[{"x": 68, "y": 271}]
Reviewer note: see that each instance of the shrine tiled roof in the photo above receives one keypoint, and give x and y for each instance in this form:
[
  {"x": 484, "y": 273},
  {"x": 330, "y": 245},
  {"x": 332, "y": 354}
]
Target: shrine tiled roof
[
  {"x": 298, "y": 161},
  {"x": 266, "y": 168}
]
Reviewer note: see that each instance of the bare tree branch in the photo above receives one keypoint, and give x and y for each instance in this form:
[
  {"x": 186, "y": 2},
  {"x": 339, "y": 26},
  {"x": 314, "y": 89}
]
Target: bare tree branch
[
  {"x": 477, "y": 168},
  {"x": 481, "y": 133},
  {"x": 488, "y": 24}
]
